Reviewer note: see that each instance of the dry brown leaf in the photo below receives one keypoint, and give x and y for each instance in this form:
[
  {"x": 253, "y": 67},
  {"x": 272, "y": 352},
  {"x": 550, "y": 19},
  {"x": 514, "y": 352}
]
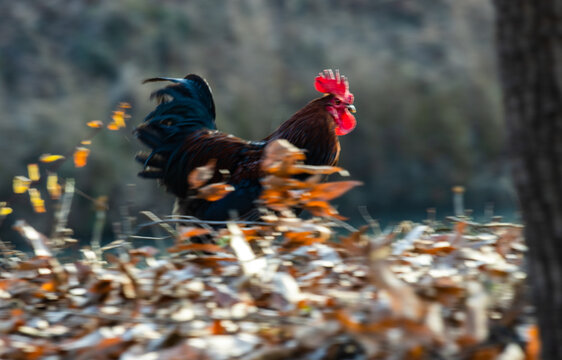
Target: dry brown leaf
[
  {"x": 196, "y": 247},
  {"x": 533, "y": 348},
  {"x": 193, "y": 232},
  {"x": 214, "y": 192},
  {"x": 147, "y": 251},
  {"x": 211, "y": 261},
  {"x": 102, "y": 286},
  {"x": 216, "y": 328},
  {"x": 322, "y": 209},
  {"x": 331, "y": 190},
  {"x": 201, "y": 174},
  {"x": 279, "y": 156}
]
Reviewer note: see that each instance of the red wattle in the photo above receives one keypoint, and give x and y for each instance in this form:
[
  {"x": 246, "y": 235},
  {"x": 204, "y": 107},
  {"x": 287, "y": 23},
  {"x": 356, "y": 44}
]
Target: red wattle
[{"x": 346, "y": 123}]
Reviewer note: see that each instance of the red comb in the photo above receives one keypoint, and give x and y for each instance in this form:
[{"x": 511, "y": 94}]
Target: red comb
[{"x": 337, "y": 84}]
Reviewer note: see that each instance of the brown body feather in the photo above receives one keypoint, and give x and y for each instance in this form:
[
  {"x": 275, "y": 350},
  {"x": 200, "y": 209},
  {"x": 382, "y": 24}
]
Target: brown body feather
[
  {"x": 181, "y": 132},
  {"x": 312, "y": 129}
]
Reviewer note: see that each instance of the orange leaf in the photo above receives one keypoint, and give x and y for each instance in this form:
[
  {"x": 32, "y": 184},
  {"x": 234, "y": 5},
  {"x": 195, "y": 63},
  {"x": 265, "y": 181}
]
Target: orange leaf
[
  {"x": 440, "y": 248},
  {"x": 119, "y": 118},
  {"x": 304, "y": 237},
  {"x": 39, "y": 208},
  {"x": 102, "y": 286},
  {"x": 214, "y": 192},
  {"x": 332, "y": 190},
  {"x": 96, "y": 124},
  {"x": 217, "y": 329},
  {"x": 202, "y": 174},
  {"x": 16, "y": 312},
  {"x": 460, "y": 227},
  {"x": 81, "y": 156},
  {"x": 310, "y": 169},
  {"x": 533, "y": 348},
  {"x": 211, "y": 261},
  {"x": 107, "y": 342},
  {"x": 323, "y": 209},
  {"x": 416, "y": 352},
  {"x": 113, "y": 127},
  {"x": 49, "y": 286},
  {"x": 147, "y": 251},
  {"x": 253, "y": 233},
  {"x": 489, "y": 352},
  {"x": 48, "y": 158},
  {"x": 353, "y": 243},
  {"x": 196, "y": 247},
  {"x": 36, "y": 201},
  {"x": 347, "y": 322},
  {"x": 194, "y": 231}
]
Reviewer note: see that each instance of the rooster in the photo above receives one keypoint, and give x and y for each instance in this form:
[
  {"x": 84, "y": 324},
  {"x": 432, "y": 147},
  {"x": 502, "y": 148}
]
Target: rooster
[{"x": 182, "y": 134}]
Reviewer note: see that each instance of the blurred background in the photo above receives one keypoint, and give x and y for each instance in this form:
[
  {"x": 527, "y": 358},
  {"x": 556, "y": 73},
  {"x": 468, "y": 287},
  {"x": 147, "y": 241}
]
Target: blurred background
[{"x": 423, "y": 73}]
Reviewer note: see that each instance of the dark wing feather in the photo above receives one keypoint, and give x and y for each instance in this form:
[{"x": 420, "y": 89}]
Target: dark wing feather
[
  {"x": 237, "y": 162},
  {"x": 239, "y": 157}
]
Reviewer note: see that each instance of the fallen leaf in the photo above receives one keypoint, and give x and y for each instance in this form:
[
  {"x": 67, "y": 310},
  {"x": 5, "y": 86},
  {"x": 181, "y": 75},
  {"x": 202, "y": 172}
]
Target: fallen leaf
[
  {"x": 53, "y": 187},
  {"x": 81, "y": 156},
  {"x": 217, "y": 329},
  {"x": 193, "y": 232},
  {"x": 332, "y": 190},
  {"x": 95, "y": 124},
  {"x": 119, "y": 118},
  {"x": 113, "y": 127},
  {"x": 20, "y": 184},
  {"x": 214, "y": 192},
  {"x": 36, "y": 201},
  {"x": 147, "y": 251},
  {"x": 33, "y": 172},
  {"x": 48, "y": 158},
  {"x": 49, "y": 286},
  {"x": 196, "y": 247},
  {"x": 201, "y": 174},
  {"x": 533, "y": 348}
]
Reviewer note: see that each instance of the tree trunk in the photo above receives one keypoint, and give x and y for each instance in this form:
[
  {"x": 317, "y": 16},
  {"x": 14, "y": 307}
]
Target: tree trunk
[{"x": 529, "y": 42}]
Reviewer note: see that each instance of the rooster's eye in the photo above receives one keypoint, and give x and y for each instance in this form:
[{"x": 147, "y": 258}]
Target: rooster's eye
[{"x": 337, "y": 101}]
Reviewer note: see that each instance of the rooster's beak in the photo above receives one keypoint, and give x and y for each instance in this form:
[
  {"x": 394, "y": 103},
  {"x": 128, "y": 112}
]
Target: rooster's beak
[{"x": 351, "y": 108}]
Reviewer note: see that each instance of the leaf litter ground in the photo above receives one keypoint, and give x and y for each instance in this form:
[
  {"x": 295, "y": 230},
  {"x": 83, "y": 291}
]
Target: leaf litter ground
[{"x": 281, "y": 288}]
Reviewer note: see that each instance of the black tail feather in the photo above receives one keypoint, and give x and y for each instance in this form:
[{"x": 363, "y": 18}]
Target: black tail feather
[
  {"x": 186, "y": 106},
  {"x": 150, "y": 173},
  {"x": 151, "y": 160}
]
